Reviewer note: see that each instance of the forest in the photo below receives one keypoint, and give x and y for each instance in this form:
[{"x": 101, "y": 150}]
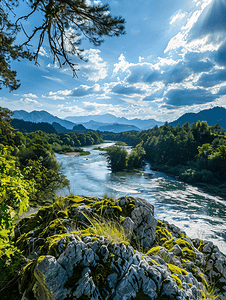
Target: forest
[{"x": 193, "y": 153}]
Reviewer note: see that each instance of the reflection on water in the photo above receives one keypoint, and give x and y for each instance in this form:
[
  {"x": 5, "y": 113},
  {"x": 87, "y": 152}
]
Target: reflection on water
[{"x": 200, "y": 214}]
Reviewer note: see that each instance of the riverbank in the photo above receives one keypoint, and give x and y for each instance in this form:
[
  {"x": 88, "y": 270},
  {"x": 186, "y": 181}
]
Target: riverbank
[
  {"x": 178, "y": 171},
  {"x": 94, "y": 248},
  {"x": 81, "y": 153}
]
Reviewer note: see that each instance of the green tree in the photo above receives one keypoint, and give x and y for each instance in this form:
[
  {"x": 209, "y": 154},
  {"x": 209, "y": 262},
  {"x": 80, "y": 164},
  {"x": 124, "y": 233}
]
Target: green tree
[
  {"x": 117, "y": 158},
  {"x": 63, "y": 24},
  {"x": 15, "y": 191}
]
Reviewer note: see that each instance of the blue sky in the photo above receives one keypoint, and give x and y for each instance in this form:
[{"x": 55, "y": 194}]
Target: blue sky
[{"x": 172, "y": 60}]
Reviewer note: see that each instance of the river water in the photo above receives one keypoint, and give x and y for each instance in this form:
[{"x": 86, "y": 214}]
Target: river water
[{"x": 199, "y": 214}]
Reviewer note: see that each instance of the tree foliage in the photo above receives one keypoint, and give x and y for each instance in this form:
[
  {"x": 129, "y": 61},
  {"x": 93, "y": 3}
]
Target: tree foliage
[
  {"x": 64, "y": 24},
  {"x": 119, "y": 159},
  {"x": 195, "y": 153}
]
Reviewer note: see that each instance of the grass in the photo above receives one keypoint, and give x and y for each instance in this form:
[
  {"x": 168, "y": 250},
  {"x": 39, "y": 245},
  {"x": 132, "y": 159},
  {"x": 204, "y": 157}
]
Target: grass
[
  {"x": 110, "y": 229},
  {"x": 209, "y": 292}
]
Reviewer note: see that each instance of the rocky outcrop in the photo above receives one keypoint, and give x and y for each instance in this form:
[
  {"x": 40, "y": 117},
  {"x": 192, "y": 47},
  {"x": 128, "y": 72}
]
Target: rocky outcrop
[{"x": 155, "y": 261}]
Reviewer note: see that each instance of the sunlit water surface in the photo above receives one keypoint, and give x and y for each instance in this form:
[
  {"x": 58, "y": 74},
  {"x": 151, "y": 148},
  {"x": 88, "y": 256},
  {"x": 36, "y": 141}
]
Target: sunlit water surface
[{"x": 200, "y": 214}]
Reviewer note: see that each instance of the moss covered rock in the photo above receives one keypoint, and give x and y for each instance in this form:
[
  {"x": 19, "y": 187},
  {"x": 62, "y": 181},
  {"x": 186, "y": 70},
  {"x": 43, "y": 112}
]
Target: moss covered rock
[{"x": 69, "y": 260}]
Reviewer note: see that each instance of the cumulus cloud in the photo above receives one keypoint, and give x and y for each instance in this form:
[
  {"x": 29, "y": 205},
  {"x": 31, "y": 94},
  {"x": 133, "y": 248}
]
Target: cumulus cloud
[
  {"x": 122, "y": 65},
  {"x": 81, "y": 91},
  {"x": 84, "y": 90},
  {"x": 29, "y": 100},
  {"x": 178, "y": 97},
  {"x": 126, "y": 90},
  {"x": 212, "y": 79},
  {"x": 95, "y": 68},
  {"x": 211, "y": 21},
  {"x": 219, "y": 56},
  {"x": 29, "y": 95},
  {"x": 177, "y": 17}
]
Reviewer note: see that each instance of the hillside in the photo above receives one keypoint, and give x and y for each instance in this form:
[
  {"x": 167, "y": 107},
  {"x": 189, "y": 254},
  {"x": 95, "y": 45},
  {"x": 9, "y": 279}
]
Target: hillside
[
  {"x": 27, "y": 126},
  {"x": 41, "y": 116},
  {"x": 212, "y": 116}
]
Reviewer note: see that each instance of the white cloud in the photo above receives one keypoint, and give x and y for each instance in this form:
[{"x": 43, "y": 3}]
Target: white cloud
[
  {"x": 81, "y": 91},
  {"x": 97, "y": 2},
  {"x": 122, "y": 65},
  {"x": 78, "y": 111},
  {"x": 29, "y": 95},
  {"x": 96, "y": 68},
  {"x": 42, "y": 52},
  {"x": 177, "y": 17},
  {"x": 29, "y": 100},
  {"x": 53, "y": 78}
]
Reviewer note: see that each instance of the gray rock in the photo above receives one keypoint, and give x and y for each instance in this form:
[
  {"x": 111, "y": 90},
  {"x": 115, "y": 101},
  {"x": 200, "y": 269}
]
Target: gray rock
[
  {"x": 104, "y": 253},
  {"x": 128, "y": 225},
  {"x": 177, "y": 250},
  {"x": 156, "y": 275},
  {"x": 149, "y": 288},
  {"x": 128, "y": 285},
  {"x": 169, "y": 288},
  {"x": 85, "y": 285},
  {"x": 51, "y": 278}
]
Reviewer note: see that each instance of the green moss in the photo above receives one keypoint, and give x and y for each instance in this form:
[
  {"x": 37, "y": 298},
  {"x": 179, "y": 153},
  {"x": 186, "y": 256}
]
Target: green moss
[
  {"x": 200, "y": 246},
  {"x": 169, "y": 244},
  {"x": 125, "y": 243},
  {"x": 40, "y": 288},
  {"x": 56, "y": 226},
  {"x": 107, "y": 206},
  {"x": 94, "y": 239},
  {"x": 155, "y": 262},
  {"x": 177, "y": 280},
  {"x": 28, "y": 279},
  {"x": 184, "y": 262},
  {"x": 153, "y": 251},
  {"x": 182, "y": 235},
  {"x": 188, "y": 251},
  {"x": 128, "y": 208},
  {"x": 176, "y": 270},
  {"x": 163, "y": 232},
  {"x": 62, "y": 214},
  {"x": 51, "y": 244}
]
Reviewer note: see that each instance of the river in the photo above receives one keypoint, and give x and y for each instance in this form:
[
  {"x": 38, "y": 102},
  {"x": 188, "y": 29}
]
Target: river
[{"x": 199, "y": 214}]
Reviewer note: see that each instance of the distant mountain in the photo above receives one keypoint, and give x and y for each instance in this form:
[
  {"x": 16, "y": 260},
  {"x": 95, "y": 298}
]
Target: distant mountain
[
  {"x": 94, "y": 125},
  {"x": 79, "y": 128},
  {"x": 212, "y": 116},
  {"x": 59, "y": 128},
  {"x": 111, "y": 119},
  {"x": 76, "y": 128},
  {"x": 41, "y": 116},
  {"x": 27, "y": 126},
  {"x": 116, "y": 128},
  {"x": 89, "y": 122}
]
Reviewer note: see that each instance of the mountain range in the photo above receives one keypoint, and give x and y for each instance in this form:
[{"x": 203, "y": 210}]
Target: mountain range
[
  {"x": 111, "y": 119},
  {"x": 212, "y": 116},
  {"x": 108, "y": 122},
  {"x": 96, "y": 122}
]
